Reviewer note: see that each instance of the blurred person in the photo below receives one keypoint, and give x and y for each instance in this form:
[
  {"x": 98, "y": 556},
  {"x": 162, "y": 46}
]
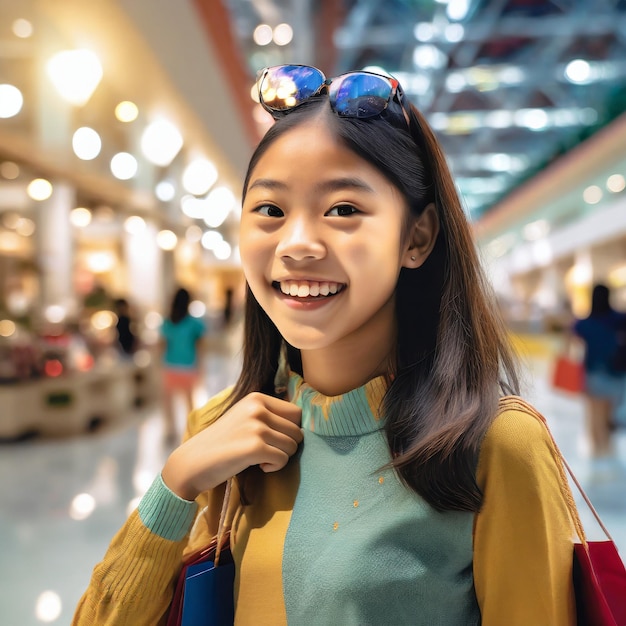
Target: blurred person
[
  {"x": 604, "y": 385},
  {"x": 182, "y": 336},
  {"x": 126, "y": 338}
]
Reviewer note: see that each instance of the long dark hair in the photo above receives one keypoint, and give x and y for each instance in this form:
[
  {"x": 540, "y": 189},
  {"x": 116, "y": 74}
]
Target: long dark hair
[
  {"x": 180, "y": 305},
  {"x": 453, "y": 360},
  {"x": 600, "y": 301}
]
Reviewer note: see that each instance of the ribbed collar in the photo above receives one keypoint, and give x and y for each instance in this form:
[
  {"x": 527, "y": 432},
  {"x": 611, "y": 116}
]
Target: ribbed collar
[{"x": 356, "y": 412}]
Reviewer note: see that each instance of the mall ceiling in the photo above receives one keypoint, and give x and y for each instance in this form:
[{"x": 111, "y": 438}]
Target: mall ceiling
[{"x": 508, "y": 85}]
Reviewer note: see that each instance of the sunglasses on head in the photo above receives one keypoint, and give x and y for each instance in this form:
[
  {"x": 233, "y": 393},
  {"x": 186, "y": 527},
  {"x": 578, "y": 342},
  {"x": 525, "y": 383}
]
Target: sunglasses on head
[{"x": 356, "y": 94}]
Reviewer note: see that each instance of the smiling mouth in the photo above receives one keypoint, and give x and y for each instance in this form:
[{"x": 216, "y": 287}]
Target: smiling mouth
[{"x": 308, "y": 288}]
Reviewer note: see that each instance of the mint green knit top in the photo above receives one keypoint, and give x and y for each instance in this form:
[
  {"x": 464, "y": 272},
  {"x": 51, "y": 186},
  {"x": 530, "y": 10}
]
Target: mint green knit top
[
  {"x": 360, "y": 547},
  {"x": 334, "y": 540}
]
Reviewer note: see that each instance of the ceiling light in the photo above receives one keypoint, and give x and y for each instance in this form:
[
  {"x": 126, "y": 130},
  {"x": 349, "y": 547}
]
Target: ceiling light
[
  {"x": 615, "y": 183},
  {"x": 578, "y": 71},
  {"x": 161, "y": 142},
  {"x": 262, "y": 35},
  {"x": 428, "y": 56},
  {"x": 592, "y": 195},
  {"x": 455, "y": 82},
  {"x": 498, "y": 119},
  {"x": 80, "y": 217},
  {"x": 75, "y": 74},
  {"x": 424, "y": 31},
  {"x": 100, "y": 262},
  {"x": 454, "y": 32},
  {"x": 166, "y": 240},
  {"x": 126, "y": 111},
  {"x": 283, "y": 34},
  {"x": 39, "y": 189},
  {"x": 165, "y": 191},
  {"x": 22, "y": 28},
  {"x": 219, "y": 203},
  {"x": 134, "y": 224},
  {"x": 534, "y": 119},
  {"x": 457, "y": 9},
  {"x": 222, "y": 251},
  {"x": 123, "y": 165},
  {"x": 86, "y": 143},
  {"x": 193, "y": 207},
  {"x": 211, "y": 239},
  {"x": 199, "y": 176},
  {"x": 11, "y": 101}
]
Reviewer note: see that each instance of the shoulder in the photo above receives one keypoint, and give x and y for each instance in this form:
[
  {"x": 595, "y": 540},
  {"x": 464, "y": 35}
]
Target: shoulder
[
  {"x": 518, "y": 440},
  {"x": 200, "y": 418},
  {"x": 194, "y": 323},
  {"x": 515, "y": 422}
]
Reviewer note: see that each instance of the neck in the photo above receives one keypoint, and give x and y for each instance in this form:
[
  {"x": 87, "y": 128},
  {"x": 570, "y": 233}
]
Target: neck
[{"x": 342, "y": 368}]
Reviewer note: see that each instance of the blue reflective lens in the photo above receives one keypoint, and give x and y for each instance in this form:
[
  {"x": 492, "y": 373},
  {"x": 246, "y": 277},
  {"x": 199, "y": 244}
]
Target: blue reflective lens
[
  {"x": 359, "y": 95},
  {"x": 287, "y": 86}
]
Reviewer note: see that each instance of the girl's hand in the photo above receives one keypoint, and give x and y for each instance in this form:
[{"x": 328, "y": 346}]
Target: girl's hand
[{"x": 258, "y": 430}]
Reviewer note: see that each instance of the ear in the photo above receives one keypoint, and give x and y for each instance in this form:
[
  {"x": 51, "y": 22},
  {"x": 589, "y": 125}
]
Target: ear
[{"x": 422, "y": 236}]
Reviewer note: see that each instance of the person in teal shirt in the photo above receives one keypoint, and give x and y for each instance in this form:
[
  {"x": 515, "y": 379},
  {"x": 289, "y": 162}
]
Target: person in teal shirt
[{"x": 182, "y": 335}]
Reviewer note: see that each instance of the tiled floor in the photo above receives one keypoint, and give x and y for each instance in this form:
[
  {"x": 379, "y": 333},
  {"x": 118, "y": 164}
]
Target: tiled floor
[{"x": 62, "y": 501}]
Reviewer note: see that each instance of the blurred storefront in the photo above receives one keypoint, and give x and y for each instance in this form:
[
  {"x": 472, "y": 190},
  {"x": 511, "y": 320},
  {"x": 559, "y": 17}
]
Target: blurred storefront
[{"x": 110, "y": 187}]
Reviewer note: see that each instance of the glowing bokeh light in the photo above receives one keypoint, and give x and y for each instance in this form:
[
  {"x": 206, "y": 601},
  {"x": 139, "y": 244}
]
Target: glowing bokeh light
[
  {"x": 86, "y": 143},
  {"x": 39, "y": 189},
  {"x": 126, "y": 111},
  {"x": 75, "y": 74},
  {"x": 11, "y": 101}
]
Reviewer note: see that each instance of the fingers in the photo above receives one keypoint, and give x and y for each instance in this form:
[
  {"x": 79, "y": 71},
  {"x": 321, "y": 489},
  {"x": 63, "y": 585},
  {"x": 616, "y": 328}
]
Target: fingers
[
  {"x": 258, "y": 430},
  {"x": 279, "y": 407}
]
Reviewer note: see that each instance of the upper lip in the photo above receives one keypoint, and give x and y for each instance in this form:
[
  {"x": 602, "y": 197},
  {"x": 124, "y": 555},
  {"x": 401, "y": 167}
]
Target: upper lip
[{"x": 307, "y": 279}]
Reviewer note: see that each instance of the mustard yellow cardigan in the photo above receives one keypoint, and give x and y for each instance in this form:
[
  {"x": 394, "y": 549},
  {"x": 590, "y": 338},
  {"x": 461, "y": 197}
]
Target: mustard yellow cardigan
[{"x": 522, "y": 539}]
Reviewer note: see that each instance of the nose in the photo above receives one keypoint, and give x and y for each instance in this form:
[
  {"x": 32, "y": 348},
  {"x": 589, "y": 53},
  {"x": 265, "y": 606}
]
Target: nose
[{"x": 300, "y": 241}]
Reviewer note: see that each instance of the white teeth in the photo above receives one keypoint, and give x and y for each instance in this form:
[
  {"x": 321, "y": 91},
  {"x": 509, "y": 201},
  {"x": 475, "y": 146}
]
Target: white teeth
[{"x": 304, "y": 289}]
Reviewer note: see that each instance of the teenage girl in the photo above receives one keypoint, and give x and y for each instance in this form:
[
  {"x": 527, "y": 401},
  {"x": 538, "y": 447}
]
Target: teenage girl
[{"x": 382, "y": 476}]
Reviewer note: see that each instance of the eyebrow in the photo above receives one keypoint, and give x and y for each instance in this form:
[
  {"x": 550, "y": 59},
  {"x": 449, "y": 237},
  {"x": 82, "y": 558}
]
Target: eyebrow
[{"x": 334, "y": 184}]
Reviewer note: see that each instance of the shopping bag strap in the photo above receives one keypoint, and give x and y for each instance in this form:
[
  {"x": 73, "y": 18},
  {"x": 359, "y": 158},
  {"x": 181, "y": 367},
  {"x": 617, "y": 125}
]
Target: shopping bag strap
[
  {"x": 222, "y": 524},
  {"x": 515, "y": 402}
]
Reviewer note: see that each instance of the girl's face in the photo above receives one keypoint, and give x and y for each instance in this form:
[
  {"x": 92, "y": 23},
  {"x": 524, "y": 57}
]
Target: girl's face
[{"x": 322, "y": 243}]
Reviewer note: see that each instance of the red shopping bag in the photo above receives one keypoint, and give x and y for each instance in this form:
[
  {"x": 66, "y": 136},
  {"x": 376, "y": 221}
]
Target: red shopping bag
[
  {"x": 568, "y": 375},
  {"x": 600, "y": 584}
]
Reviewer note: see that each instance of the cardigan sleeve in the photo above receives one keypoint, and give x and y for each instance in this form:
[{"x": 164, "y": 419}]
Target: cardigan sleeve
[
  {"x": 134, "y": 583},
  {"x": 523, "y": 536}
]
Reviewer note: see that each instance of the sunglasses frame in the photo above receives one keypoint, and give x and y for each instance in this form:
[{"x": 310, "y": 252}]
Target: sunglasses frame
[{"x": 396, "y": 93}]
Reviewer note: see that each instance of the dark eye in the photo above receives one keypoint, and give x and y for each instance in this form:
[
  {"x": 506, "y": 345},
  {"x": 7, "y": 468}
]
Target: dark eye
[
  {"x": 342, "y": 210},
  {"x": 269, "y": 210}
]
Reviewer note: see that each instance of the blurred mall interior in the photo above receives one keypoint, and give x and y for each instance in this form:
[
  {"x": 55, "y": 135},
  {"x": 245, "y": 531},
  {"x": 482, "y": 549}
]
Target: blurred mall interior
[{"x": 125, "y": 130}]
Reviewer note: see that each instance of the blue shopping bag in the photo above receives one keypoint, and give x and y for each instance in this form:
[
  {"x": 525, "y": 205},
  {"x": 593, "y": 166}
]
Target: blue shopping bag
[{"x": 208, "y": 594}]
